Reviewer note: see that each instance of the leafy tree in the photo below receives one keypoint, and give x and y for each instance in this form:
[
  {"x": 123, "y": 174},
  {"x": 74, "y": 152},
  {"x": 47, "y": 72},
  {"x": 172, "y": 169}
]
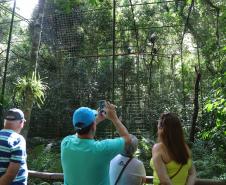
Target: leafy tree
[{"x": 216, "y": 108}]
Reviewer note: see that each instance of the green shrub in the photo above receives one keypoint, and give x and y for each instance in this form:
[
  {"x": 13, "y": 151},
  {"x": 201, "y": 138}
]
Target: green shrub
[
  {"x": 209, "y": 162},
  {"x": 44, "y": 160}
]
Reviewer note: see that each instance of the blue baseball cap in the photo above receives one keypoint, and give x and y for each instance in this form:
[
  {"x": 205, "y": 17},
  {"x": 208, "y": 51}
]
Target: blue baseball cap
[{"x": 83, "y": 117}]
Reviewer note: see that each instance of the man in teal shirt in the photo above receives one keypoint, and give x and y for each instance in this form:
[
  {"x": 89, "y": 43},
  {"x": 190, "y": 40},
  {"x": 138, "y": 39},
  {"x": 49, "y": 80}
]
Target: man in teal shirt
[{"x": 84, "y": 160}]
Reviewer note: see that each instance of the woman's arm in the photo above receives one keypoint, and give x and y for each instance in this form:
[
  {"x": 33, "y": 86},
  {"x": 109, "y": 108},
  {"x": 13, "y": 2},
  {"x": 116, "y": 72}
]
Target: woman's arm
[
  {"x": 191, "y": 176},
  {"x": 192, "y": 172},
  {"x": 159, "y": 165}
]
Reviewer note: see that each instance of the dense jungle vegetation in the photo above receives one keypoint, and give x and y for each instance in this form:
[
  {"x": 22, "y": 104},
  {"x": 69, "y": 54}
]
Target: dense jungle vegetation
[{"x": 147, "y": 57}]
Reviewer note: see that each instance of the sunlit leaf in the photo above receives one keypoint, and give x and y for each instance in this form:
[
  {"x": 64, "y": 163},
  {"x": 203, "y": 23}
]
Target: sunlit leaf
[{"x": 209, "y": 107}]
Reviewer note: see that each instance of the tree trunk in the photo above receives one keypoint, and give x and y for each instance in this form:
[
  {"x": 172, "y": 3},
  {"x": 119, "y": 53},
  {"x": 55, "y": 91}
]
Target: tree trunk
[
  {"x": 150, "y": 82},
  {"x": 27, "y": 108},
  {"x": 36, "y": 37},
  {"x": 196, "y": 106},
  {"x": 172, "y": 67}
]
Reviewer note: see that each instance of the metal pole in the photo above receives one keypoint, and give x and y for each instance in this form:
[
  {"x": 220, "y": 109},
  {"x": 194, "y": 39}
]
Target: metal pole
[
  {"x": 6, "y": 64},
  {"x": 113, "y": 60}
]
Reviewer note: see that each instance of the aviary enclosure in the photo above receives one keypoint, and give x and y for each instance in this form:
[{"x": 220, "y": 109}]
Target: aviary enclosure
[{"x": 146, "y": 56}]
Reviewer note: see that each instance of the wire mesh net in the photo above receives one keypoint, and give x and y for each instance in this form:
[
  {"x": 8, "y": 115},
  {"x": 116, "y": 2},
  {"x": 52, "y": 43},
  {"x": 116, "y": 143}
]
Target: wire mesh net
[{"x": 76, "y": 55}]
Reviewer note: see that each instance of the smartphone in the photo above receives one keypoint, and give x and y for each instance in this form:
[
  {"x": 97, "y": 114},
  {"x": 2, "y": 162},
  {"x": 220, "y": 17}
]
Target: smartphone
[{"x": 101, "y": 105}]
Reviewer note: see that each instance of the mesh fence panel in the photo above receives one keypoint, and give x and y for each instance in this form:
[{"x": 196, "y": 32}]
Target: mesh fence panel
[{"x": 76, "y": 58}]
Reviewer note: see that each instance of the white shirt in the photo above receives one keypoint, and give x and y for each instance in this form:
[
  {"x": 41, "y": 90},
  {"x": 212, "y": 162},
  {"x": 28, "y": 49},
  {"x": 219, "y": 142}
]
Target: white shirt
[{"x": 133, "y": 173}]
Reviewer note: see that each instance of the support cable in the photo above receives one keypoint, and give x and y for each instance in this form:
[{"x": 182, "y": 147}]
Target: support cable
[
  {"x": 145, "y": 4},
  {"x": 16, "y": 14}
]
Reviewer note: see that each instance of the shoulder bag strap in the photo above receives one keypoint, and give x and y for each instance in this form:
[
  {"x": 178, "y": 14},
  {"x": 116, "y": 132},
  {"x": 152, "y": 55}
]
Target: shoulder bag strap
[
  {"x": 176, "y": 172},
  {"x": 120, "y": 174}
]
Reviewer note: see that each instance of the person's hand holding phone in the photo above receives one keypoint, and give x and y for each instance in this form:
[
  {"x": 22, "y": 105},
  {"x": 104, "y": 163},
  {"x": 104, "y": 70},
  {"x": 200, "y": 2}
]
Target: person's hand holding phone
[
  {"x": 101, "y": 106},
  {"x": 110, "y": 111},
  {"x": 101, "y": 111}
]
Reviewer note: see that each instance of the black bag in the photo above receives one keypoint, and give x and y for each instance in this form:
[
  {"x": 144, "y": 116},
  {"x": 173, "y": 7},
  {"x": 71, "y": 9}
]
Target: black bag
[{"x": 176, "y": 172}]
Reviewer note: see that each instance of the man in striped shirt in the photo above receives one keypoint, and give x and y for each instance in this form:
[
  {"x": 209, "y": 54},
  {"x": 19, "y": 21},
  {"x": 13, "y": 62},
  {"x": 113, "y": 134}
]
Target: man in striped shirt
[{"x": 13, "y": 166}]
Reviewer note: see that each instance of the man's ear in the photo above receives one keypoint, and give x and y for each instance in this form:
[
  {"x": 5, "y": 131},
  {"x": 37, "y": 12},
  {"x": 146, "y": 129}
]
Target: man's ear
[{"x": 22, "y": 123}]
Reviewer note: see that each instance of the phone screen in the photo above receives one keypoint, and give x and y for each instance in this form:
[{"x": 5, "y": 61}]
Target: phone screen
[{"x": 101, "y": 105}]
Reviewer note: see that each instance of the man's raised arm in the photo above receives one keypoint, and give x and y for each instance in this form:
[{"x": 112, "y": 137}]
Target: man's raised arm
[{"x": 112, "y": 115}]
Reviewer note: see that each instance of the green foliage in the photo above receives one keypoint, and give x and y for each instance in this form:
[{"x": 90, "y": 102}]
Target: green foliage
[
  {"x": 216, "y": 105},
  {"x": 74, "y": 28},
  {"x": 42, "y": 159},
  {"x": 68, "y": 5},
  {"x": 144, "y": 153},
  {"x": 211, "y": 166},
  {"x": 34, "y": 86}
]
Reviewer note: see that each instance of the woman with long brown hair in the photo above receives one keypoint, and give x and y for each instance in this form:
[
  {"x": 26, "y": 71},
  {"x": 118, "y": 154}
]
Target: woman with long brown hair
[{"x": 171, "y": 157}]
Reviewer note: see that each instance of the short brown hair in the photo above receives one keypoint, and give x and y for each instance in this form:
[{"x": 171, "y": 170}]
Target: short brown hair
[{"x": 84, "y": 130}]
